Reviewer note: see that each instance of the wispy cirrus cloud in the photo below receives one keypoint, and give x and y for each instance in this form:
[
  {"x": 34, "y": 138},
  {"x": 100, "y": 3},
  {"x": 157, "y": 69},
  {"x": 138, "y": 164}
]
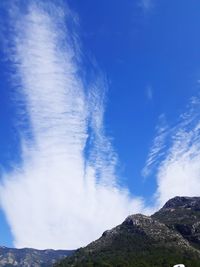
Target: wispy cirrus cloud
[
  {"x": 176, "y": 154},
  {"x": 146, "y": 4},
  {"x": 149, "y": 92},
  {"x": 158, "y": 146},
  {"x": 65, "y": 192}
]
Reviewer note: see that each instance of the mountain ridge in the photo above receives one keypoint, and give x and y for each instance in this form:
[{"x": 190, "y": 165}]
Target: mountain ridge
[
  {"x": 30, "y": 257},
  {"x": 168, "y": 237},
  {"x": 147, "y": 241}
]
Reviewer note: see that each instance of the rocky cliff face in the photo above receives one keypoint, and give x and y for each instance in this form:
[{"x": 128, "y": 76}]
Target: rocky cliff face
[
  {"x": 182, "y": 214},
  {"x": 30, "y": 257},
  {"x": 168, "y": 237}
]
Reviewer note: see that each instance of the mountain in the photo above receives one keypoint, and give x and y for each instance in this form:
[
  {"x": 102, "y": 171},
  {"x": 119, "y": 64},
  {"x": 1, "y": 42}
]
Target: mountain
[
  {"x": 28, "y": 257},
  {"x": 170, "y": 236},
  {"x": 182, "y": 214}
]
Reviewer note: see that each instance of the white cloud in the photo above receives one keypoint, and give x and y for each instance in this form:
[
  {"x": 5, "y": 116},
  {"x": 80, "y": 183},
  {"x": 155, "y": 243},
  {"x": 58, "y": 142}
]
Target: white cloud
[
  {"x": 58, "y": 197},
  {"x": 146, "y": 4},
  {"x": 158, "y": 146},
  {"x": 149, "y": 92},
  {"x": 179, "y": 169}
]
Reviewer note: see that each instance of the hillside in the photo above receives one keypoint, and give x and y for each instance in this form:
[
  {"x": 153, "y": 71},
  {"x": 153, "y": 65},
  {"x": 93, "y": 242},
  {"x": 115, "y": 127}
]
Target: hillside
[
  {"x": 168, "y": 237},
  {"x": 182, "y": 214},
  {"x": 30, "y": 257}
]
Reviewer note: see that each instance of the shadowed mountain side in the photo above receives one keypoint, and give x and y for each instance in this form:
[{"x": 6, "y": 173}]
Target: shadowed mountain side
[{"x": 183, "y": 215}]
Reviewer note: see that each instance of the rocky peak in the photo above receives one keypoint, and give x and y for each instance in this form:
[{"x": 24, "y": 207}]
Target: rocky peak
[
  {"x": 182, "y": 214},
  {"x": 170, "y": 236},
  {"x": 183, "y": 202},
  {"x": 137, "y": 219},
  {"x": 152, "y": 228}
]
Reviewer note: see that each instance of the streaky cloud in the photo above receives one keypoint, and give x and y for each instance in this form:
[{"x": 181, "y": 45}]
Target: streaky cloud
[
  {"x": 59, "y": 197},
  {"x": 157, "y": 150},
  {"x": 176, "y": 155},
  {"x": 146, "y": 5}
]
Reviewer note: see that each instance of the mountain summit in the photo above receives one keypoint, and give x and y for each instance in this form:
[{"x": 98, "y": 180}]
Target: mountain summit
[
  {"x": 183, "y": 202},
  {"x": 182, "y": 214},
  {"x": 169, "y": 237}
]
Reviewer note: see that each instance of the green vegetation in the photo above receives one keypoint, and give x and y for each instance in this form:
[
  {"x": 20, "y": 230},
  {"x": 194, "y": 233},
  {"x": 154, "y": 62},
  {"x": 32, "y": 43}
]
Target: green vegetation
[
  {"x": 153, "y": 257},
  {"x": 141, "y": 241}
]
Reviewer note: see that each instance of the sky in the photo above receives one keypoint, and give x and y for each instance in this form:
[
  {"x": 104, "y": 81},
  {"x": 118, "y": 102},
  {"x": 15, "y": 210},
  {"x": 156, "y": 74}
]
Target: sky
[{"x": 99, "y": 115}]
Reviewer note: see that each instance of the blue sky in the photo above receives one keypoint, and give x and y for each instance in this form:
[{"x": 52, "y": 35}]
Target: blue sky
[
  {"x": 124, "y": 76},
  {"x": 156, "y": 48}
]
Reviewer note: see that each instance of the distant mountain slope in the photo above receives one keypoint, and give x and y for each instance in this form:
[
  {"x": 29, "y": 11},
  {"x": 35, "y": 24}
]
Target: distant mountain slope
[
  {"x": 30, "y": 257},
  {"x": 169, "y": 237}
]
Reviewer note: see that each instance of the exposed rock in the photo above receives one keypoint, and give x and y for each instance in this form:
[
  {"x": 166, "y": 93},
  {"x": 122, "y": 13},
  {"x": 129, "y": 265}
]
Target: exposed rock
[
  {"x": 168, "y": 237},
  {"x": 183, "y": 202},
  {"x": 183, "y": 215},
  {"x": 30, "y": 257}
]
